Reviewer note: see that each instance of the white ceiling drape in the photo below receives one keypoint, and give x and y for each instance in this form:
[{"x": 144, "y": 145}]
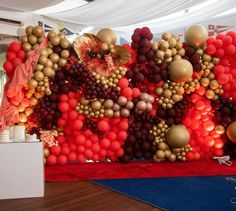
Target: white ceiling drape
[
  {"x": 27, "y": 5},
  {"x": 115, "y": 13},
  {"x": 206, "y": 12}
]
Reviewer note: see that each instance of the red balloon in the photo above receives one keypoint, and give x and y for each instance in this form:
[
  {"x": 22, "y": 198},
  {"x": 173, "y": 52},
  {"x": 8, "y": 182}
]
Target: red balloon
[
  {"x": 77, "y": 124},
  {"x": 123, "y": 82},
  {"x": 102, "y": 152},
  {"x": 112, "y": 136},
  {"x": 227, "y": 40},
  {"x": 88, "y": 143},
  {"x": 14, "y": 47},
  {"x": 72, "y": 115},
  {"x": 61, "y": 122},
  {"x": 55, "y": 150},
  {"x": 61, "y": 139},
  {"x": 65, "y": 150},
  {"x": 72, "y": 147},
  {"x": 219, "y": 69},
  {"x": 210, "y": 40},
  {"x": 135, "y": 92},
  {"x": 218, "y": 43},
  {"x": 230, "y": 50},
  {"x": 72, "y": 102},
  {"x": 16, "y": 62},
  {"x": 95, "y": 148},
  {"x": 220, "y": 52},
  {"x": 10, "y": 56},
  {"x": 189, "y": 156},
  {"x": 115, "y": 145},
  {"x": 8, "y": 67},
  {"x": 211, "y": 49},
  {"x": 127, "y": 92},
  {"x": 95, "y": 157},
  {"x": 80, "y": 139},
  {"x": 62, "y": 159},
  {"x": 119, "y": 152},
  {"x": 122, "y": 135},
  {"x": 72, "y": 156},
  {"x": 63, "y": 107},
  {"x": 123, "y": 125},
  {"x": 223, "y": 78},
  {"x": 94, "y": 138},
  {"x": 64, "y": 98},
  {"x": 51, "y": 160},
  {"x": 103, "y": 126},
  {"x": 88, "y": 153},
  {"x": 21, "y": 55},
  {"x": 80, "y": 149},
  {"x": 105, "y": 143},
  {"x": 81, "y": 159}
]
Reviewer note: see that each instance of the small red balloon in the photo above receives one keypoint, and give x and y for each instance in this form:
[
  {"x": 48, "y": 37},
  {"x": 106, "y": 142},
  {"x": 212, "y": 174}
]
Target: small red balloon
[
  {"x": 62, "y": 159},
  {"x": 81, "y": 159},
  {"x": 123, "y": 82},
  {"x": 65, "y": 150},
  {"x": 51, "y": 160},
  {"x": 103, "y": 126},
  {"x": 63, "y": 107},
  {"x": 77, "y": 124},
  {"x": 72, "y": 156},
  {"x": 14, "y": 47},
  {"x": 21, "y": 55},
  {"x": 55, "y": 150},
  {"x": 8, "y": 67},
  {"x": 10, "y": 56}
]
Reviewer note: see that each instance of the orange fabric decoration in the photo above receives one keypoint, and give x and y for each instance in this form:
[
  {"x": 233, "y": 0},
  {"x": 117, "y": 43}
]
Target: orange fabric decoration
[{"x": 9, "y": 114}]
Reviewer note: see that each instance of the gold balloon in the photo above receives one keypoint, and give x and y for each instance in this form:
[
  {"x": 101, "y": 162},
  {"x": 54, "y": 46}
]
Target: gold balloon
[
  {"x": 196, "y": 35},
  {"x": 65, "y": 54},
  {"x": 43, "y": 60},
  {"x": 49, "y": 63},
  {"x": 172, "y": 42},
  {"x": 163, "y": 45},
  {"x": 48, "y": 71},
  {"x": 33, "y": 101},
  {"x": 96, "y": 105},
  {"x": 166, "y": 36},
  {"x": 28, "y": 53},
  {"x": 50, "y": 51},
  {"x": 54, "y": 57},
  {"x": 109, "y": 112},
  {"x": 29, "y": 30},
  {"x": 231, "y": 132},
  {"x": 28, "y": 111},
  {"x": 55, "y": 40},
  {"x": 32, "y": 83},
  {"x": 177, "y": 136},
  {"x": 26, "y": 46},
  {"x": 24, "y": 39},
  {"x": 38, "y": 75},
  {"x": 21, "y": 108},
  {"x": 32, "y": 39},
  {"x": 51, "y": 34},
  {"x": 39, "y": 67},
  {"x": 61, "y": 35},
  {"x": 160, "y": 154},
  {"x": 64, "y": 43},
  {"x": 40, "y": 39},
  {"x": 55, "y": 66},
  {"x": 44, "y": 52},
  {"x": 220, "y": 129},
  {"x": 62, "y": 62},
  {"x": 35, "y": 46},
  {"x": 172, "y": 158},
  {"x": 38, "y": 31},
  {"x": 210, "y": 94},
  {"x": 23, "y": 117},
  {"x": 160, "y": 54},
  {"x": 107, "y": 36},
  {"x": 180, "y": 70}
]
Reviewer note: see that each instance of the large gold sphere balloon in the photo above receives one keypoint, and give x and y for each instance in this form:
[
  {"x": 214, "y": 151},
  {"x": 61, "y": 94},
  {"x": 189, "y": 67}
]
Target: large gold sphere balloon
[
  {"x": 24, "y": 39},
  {"x": 55, "y": 40},
  {"x": 178, "y": 136},
  {"x": 54, "y": 57},
  {"x": 26, "y": 46},
  {"x": 196, "y": 35},
  {"x": 180, "y": 70},
  {"x": 38, "y": 31},
  {"x": 64, "y": 43},
  {"x": 107, "y": 36},
  {"x": 32, "y": 39},
  {"x": 51, "y": 34},
  {"x": 231, "y": 132},
  {"x": 44, "y": 52},
  {"x": 65, "y": 54},
  {"x": 32, "y": 83}
]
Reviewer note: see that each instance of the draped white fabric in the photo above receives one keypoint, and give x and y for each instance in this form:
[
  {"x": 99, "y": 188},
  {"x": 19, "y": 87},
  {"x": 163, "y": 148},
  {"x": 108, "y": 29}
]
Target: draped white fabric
[
  {"x": 207, "y": 12},
  {"x": 115, "y": 13},
  {"x": 27, "y": 5}
]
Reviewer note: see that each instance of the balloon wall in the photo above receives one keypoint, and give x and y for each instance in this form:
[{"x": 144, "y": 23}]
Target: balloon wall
[{"x": 95, "y": 100}]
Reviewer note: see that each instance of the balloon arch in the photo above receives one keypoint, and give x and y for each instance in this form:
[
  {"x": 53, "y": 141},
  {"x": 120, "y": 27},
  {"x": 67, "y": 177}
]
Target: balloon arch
[{"x": 96, "y": 100}]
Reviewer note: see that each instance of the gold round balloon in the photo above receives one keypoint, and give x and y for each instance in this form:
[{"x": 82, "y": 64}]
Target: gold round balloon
[
  {"x": 196, "y": 35},
  {"x": 24, "y": 39},
  {"x": 43, "y": 52},
  {"x": 54, "y": 57},
  {"x": 65, "y": 54},
  {"x": 166, "y": 36},
  {"x": 62, "y": 62},
  {"x": 61, "y": 35},
  {"x": 48, "y": 71},
  {"x": 32, "y": 39},
  {"x": 38, "y": 31},
  {"x": 64, "y": 43},
  {"x": 49, "y": 63},
  {"x": 28, "y": 111},
  {"x": 39, "y": 67},
  {"x": 43, "y": 60},
  {"x": 231, "y": 132},
  {"x": 40, "y": 39},
  {"x": 55, "y": 40},
  {"x": 29, "y": 30},
  {"x": 178, "y": 136},
  {"x": 50, "y": 51},
  {"x": 38, "y": 75},
  {"x": 26, "y": 46},
  {"x": 35, "y": 46},
  {"x": 23, "y": 117},
  {"x": 32, "y": 83},
  {"x": 180, "y": 70},
  {"x": 33, "y": 101},
  {"x": 51, "y": 34},
  {"x": 107, "y": 36}
]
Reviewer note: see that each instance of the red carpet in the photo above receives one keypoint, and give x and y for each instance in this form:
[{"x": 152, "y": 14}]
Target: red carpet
[{"x": 139, "y": 169}]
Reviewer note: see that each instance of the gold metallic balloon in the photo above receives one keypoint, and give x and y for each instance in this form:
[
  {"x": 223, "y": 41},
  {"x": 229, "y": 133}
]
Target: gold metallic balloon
[
  {"x": 109, "y": 112},
  {"x": 38, "y": 31},
  {"x": 48, "y": 71},
  {"x": 39, "y": 67},
  {"x": 21, "y": 108},
  {"x": 24, "y": 39},
  {"x": 46, "y": 152},
  {"x": 29, "y": 30},
  {"x": 38, "y": 75},
  {"x": 64, "y": 43},
  {"x": 196, "y": 35},
  {"x": 32, "y": 83},
  {"x": 180, "y": 70},
  {"x": 40, "y": 39},
  {"x": 172, "y": 42},
  {"x": 61, "y": 35},
  {"x": 44, "y": 52},
  {"x": 163, "y": 45},
  {"x": 28, "y": 111},
  {"x": 231, "y": 132},
  {"x": 166, "y": 36},
  {"x": 50, "y": 51},
  {"x": 65, "y": 54},
  {"x": 160, "y": 154},
  {"x": 32, "y": 39},
  {"x": 55, "y": 40},
  {"x": 51, "y": 34},
  {"x": 49, "y": 63},
  {"x": 107, "y": 36},
  {"x": 33, "y": 101},
  {"x": 177, "y": 136},
  {"x": 62, "y": 62},
  {"x": 96, "y": 105},
  {"x": 35, "y": 46},
  {"x": 23, "y": 117},
  {"x": 43, "y": 60},
  {"x": 26, "y": 46},
  {"x": 54, "y": 57}
]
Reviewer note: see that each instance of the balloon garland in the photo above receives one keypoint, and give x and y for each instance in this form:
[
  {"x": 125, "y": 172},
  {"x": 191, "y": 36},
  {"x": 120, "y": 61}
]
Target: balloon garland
[{"x": 99, "y": 101}]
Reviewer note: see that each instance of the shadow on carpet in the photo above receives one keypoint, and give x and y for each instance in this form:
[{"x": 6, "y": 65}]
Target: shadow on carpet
[{"x": 216, "y": 193}]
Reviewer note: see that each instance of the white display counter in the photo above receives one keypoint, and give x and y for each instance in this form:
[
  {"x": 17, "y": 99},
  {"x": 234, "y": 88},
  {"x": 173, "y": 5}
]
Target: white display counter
[{"x": 21, "y": 170}]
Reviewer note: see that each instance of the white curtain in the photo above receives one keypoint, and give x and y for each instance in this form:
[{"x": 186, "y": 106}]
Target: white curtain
[
  {"x": 115, "y": 13},
  {"x": 206, "y": 12}
]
